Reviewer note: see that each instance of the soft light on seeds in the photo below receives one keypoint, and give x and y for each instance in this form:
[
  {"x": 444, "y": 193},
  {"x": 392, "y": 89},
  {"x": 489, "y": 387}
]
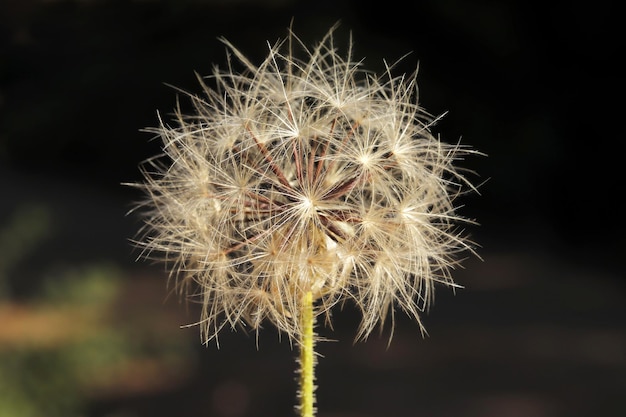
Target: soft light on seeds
[{"x": 304, "y": 174}]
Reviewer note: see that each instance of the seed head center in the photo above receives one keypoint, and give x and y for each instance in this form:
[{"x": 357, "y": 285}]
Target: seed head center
[{"x": 309, "y": 205}]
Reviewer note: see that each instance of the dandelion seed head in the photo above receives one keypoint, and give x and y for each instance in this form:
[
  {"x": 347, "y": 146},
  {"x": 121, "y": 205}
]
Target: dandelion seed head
[{"x": 304, "y": 173}]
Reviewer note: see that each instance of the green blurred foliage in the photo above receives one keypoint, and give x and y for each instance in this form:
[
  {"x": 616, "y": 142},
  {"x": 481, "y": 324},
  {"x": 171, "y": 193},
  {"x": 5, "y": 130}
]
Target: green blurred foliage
[
  {"x": 45, "y": 378},
  {"x": 27, "y": 227},
  {"x": 79, "y": 336}
]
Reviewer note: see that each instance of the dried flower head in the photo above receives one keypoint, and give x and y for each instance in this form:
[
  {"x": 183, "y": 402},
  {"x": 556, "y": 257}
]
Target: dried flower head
[{"x": 304, "y": 175}]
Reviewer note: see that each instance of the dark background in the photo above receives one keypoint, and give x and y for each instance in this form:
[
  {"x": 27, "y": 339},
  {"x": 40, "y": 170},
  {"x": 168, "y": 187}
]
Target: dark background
[{"x": 538, "y": 329}]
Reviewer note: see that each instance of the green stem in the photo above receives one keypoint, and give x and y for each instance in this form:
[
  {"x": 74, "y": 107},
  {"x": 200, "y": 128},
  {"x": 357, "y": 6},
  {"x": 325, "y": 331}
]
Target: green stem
[{"x": 307, "y": 358}]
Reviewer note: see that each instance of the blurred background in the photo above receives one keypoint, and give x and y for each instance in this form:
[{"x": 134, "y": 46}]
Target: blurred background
[{"x": 538, "y": 330}]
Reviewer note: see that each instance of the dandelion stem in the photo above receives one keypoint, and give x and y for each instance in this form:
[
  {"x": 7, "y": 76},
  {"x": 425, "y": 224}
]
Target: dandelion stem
[{"x": 307, "y": 358}]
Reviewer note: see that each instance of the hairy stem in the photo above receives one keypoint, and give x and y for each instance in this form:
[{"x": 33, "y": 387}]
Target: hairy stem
[{"x": 307, "y": 358}]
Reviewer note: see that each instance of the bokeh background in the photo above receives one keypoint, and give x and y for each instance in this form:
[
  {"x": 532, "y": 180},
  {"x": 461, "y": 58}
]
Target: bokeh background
[{"x": 538, "y": 330}]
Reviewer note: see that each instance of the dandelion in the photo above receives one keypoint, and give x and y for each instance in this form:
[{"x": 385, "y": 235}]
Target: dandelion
[{"x": 299, "y": 184}]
